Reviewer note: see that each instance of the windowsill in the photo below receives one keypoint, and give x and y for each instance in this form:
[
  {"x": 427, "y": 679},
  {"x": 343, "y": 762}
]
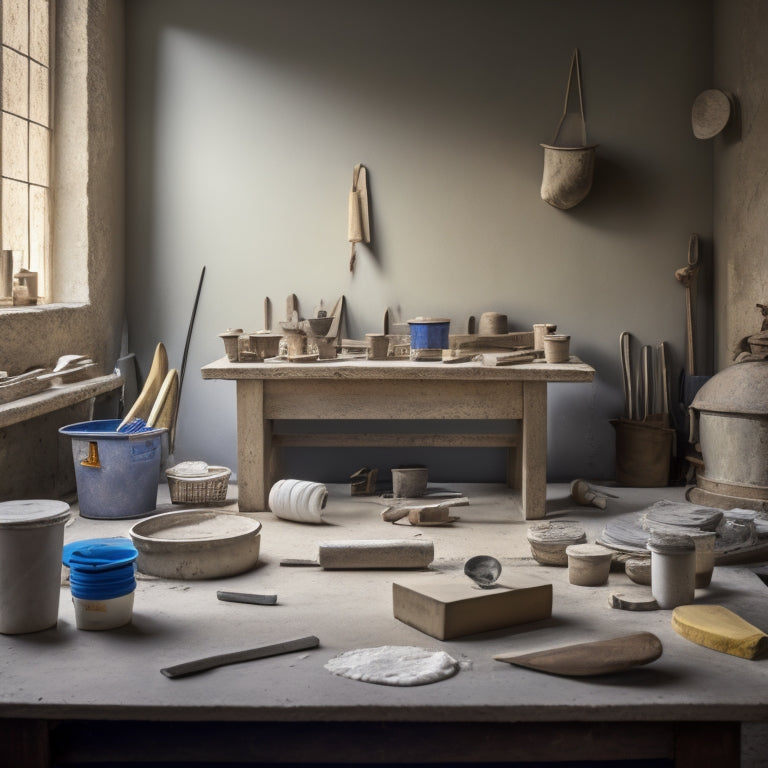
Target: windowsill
[
  {"x": 33, "y": 308},
  {"x": 54, "y": 398}
]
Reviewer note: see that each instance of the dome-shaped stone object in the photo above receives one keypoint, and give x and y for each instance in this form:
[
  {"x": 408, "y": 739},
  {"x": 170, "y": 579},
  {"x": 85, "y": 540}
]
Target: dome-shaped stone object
[{"x": 732, "y": 410}]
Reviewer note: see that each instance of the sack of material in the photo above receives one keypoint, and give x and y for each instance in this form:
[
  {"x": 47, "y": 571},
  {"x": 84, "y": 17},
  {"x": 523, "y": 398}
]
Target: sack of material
[{"x": 569, "y": 166}]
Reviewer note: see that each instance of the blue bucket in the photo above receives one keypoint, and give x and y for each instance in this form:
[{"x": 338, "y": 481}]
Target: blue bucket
[
  {"x": 117, "y": 473},
  {"x": 429, "y": 333}
]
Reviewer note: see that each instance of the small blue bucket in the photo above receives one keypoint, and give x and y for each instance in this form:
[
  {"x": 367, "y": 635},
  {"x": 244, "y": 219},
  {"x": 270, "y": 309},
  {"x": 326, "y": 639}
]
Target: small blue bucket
[
  {"x": 101, "y": 569},
  {"x": 429, "y": 333},
  {"x": 117, "y": 473}
]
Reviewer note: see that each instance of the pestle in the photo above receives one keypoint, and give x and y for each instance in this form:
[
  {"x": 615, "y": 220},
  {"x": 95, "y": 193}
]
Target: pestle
[{"x": 585, "y": 495}]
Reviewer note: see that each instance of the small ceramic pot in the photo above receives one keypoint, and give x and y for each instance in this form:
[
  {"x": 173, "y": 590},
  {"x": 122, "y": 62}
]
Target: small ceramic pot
[
  {"x": 409, "y": 482},
  {"x": 557, "y": 348},
  {"x": 540, "y": 330},
  {"x": 231, "y": 337},
  {"x": 588, "y": 564},
  {"x": 265, "y": 345},
  {"x": 378, "y": 346},
  {"x": 492, "y": 324}
]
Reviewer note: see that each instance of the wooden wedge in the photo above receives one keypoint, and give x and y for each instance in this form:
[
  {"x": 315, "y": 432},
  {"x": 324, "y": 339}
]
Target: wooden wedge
[
  {"x": 719, "y": 628},
  {"x": 146, "y": 399},
  {"x": 595, "y": 658}
]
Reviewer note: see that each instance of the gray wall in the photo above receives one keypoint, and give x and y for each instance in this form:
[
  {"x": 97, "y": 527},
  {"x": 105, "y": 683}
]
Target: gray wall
[
  {"x": 245, "y": 118},
  {"x": 741, "y": 183}
]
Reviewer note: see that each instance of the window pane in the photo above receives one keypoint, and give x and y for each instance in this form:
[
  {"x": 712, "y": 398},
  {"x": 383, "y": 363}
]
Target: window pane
[
  {"x": 15, "y": 147},
  {"x": 38, "y": 231},
  {"x": 15, "y": 200},
  {"x": 38, "y": 154},
  {"x": 15, "y": 85},
  {"x": 38, "y": 30},
  {"x": 15, "y": 26},
  {"x": 38, "y": 93}
]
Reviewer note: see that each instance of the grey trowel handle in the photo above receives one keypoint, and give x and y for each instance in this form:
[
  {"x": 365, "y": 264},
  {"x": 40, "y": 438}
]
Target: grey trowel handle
[{"x": 262, "y": 652}]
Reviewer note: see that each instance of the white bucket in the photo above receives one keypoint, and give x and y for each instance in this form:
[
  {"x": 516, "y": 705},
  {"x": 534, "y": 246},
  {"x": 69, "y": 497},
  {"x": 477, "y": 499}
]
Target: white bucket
[{"x": 31, "y": 544}]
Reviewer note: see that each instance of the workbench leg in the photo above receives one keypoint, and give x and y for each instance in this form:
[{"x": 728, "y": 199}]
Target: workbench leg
[
  {"x": 534, "y": 449},
  {"x": 254, "y": 446}
]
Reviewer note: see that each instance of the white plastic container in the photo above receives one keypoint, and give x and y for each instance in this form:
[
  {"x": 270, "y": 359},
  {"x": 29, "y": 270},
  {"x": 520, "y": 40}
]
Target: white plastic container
[
  {"x": 673, "y": 569},
  {"x": 31, "y": 543},
  {"x": 103, "y": 614}
]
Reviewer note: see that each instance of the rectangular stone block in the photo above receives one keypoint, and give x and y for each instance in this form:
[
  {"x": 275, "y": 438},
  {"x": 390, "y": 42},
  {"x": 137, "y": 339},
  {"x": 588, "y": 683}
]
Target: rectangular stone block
[{"x": 446, "y": 608}]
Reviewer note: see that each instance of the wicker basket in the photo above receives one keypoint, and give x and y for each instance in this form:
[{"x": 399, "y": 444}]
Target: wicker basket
[{"x": 202, "y": 489}]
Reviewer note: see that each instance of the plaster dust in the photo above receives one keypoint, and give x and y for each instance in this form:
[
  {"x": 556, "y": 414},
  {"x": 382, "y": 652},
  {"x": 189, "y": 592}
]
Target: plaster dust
[{"x": 394, "y": 665}]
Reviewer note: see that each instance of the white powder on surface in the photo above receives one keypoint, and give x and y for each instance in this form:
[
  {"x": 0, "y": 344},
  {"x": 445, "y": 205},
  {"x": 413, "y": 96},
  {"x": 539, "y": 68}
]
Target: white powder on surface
[{"x": 394, "y": 665}]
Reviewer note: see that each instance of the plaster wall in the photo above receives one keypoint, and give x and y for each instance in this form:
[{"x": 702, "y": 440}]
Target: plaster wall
[
  {"x": 244, "y": 122},
  {"x": 88, "y": 280},
  {"x": 741, "y": 173}
]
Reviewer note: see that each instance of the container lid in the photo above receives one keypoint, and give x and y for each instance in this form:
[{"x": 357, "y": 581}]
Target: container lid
[
  {"x": 588, "y": 552},
  {"x": 670, "y": 543},
  {"x": 107, "y": 429},
  {"x": 32, "y": 513},
  {"x": 99, "y": 554},
  {"x": 739, "y": 388},
  {"x": 425, "y": 320}
]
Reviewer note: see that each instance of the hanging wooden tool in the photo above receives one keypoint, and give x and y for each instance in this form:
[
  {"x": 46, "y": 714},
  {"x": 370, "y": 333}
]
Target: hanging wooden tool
[{"x": 358, "y": 227}]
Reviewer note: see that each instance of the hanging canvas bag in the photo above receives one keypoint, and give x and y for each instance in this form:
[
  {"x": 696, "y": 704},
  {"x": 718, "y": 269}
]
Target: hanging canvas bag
[{"x": 568, "y": 165}]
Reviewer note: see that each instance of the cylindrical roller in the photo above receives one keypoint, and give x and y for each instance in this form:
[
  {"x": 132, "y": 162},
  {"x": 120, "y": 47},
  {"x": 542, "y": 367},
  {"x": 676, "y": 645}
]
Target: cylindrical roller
[{"x": 376, "y": 553}]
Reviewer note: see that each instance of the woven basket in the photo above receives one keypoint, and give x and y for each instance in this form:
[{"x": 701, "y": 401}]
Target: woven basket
[{"x": 204, "y": 489}]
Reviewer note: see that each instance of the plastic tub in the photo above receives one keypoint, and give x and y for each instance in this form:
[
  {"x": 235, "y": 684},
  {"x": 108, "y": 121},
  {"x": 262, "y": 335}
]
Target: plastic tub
[
  {"x": 31, "y": 543},
  {"x": 429, "y": 333},
  {"x": 117, "y": 473}
]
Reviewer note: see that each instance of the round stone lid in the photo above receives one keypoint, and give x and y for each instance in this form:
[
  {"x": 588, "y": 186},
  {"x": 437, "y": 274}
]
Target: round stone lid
[
  {"x": 32, "y": 513},
  {"x": 740, "y": 388},
  {"x": 670, "y": 543}
]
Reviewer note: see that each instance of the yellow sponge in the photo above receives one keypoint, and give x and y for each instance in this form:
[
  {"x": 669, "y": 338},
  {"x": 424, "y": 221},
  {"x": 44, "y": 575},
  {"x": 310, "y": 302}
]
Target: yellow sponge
[{"x": 718, "y": 628}]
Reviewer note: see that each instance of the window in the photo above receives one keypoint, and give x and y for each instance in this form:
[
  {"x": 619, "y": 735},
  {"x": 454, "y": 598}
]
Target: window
[{"x": 25, "y": 157}]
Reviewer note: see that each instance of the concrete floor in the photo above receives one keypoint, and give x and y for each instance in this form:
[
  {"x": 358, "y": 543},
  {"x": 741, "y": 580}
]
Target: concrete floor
[{"x": 64, "y": 672}]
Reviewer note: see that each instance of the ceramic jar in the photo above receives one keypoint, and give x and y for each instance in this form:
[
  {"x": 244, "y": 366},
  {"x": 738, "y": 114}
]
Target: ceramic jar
[
  {"x": 557, "y": 348},
  {"x": 588, "y": 564},
  {"x": 673, "y": 569},
  {"x": 300, "y": 500}
]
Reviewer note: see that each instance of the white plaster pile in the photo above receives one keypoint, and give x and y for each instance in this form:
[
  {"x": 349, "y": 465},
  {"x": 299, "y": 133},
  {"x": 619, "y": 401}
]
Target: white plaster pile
[{"x": 394, "y": 665}]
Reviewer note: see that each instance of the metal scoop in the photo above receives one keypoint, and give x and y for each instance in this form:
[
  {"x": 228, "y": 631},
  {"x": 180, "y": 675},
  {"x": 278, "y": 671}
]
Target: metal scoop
[{"x": 484, "y": 570}]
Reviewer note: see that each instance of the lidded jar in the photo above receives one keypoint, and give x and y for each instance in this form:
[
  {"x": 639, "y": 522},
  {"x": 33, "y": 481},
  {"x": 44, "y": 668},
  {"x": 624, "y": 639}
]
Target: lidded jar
[{"x": 673, "y": 569}]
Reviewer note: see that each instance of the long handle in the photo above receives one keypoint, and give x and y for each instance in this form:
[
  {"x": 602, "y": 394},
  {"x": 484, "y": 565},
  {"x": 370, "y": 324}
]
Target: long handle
[
  {"x": 693, "y": 265},
  {"x": 647, "y": 386},
  {"x": 626, "y": 373},
  {"x": 220, "y": 660},
  {"x": 189, "y": 335}
]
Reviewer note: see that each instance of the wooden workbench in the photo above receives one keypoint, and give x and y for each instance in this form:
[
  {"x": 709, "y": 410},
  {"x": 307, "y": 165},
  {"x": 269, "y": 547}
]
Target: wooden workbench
[
  {"x": 382, "y": 390},
  {"x": 72, "y": 698}
]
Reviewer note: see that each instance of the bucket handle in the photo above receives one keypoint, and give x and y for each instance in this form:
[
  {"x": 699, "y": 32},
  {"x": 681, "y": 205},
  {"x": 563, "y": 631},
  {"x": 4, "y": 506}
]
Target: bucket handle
[
  {"x": 92, "y": 459},
  {"x": 574, "y": 65}
]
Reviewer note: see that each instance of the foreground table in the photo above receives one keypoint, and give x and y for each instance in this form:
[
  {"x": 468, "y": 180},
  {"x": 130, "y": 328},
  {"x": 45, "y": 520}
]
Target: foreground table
[
  {"x": 383, "y": 390},
  {"x": 75, "y": 698}
]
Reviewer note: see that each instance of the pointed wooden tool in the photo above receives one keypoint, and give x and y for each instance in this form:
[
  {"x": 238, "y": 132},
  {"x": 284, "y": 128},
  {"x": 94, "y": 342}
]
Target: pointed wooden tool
[
  {"x": 165, "y": 408},
  {"x": 596, "y": 658},
  {"x": 146, "y": 399},
  {"x": 716, "y": 627}
]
